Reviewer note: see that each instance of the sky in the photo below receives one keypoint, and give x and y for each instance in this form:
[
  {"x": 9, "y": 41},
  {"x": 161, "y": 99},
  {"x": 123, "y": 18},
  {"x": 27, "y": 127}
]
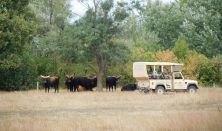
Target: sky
[{"x": 78, "y": 8}]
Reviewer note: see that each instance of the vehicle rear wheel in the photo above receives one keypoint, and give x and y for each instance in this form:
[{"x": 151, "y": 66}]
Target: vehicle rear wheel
[
  {"x": 192, "y": 89},
  {"x": 151, "y": 91},
  {"x": 143, "y": 90},
  {"x": 140, "y": 89},
  {"x": 146, "y": 90},
  {"x": 160, "y": 90}
]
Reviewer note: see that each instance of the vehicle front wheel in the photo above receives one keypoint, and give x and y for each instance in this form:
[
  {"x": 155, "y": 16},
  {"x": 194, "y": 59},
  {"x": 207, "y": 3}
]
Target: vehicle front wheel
[
  {"x": 192, "y": 89},
  {"x": 160, "y": 90}
]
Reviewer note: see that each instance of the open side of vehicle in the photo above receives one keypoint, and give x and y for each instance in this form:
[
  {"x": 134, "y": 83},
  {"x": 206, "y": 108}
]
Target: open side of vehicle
[{"x": 161, "y": 77}]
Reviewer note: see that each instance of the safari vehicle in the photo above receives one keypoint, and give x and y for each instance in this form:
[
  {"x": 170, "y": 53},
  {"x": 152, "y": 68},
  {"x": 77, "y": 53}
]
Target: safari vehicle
[{"x": 161, "y": 77}]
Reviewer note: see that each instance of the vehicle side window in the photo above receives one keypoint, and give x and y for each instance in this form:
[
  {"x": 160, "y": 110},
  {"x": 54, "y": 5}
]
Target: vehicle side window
[{"x": 178, "y": 76}]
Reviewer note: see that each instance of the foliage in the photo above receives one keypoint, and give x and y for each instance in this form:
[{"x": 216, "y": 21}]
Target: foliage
[
  {"x": 166, "y": 56},
  {"x": 98, "y": 35},
  {"x": 17, "y": 29},
  {"x": 164, "y": 20},
  {"x": 202, "y": 26},
  {"x": 52, "y": 20},
  {"x": 192, "y": 63},
  {"x": 22, "y": 78},
  {"x": 181, "y": 49},
  {"x": 208, "y": 73},
  {"x": 139, "y": 54},
  {"x": 16, "y": 32}
]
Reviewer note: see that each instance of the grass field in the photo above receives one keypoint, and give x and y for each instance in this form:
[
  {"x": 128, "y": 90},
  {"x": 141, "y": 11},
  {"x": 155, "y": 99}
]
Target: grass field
[{"x": 99, "y": 111}]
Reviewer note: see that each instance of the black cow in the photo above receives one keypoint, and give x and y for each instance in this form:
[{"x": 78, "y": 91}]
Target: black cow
[
  {"x": 69, "y": 83},
  {"x": 52, "y": 81},
  {"x": 129, "y": 87},
  {"x": 111, "y": 81},
  {"x": 75, "y": 82}
]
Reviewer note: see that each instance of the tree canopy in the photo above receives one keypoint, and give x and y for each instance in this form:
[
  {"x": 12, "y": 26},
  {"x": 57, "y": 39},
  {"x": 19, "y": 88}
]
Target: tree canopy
[{"x": 17, "y": 29}]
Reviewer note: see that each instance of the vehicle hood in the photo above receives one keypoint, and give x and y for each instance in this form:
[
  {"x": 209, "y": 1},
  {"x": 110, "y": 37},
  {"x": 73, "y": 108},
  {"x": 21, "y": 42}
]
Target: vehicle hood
[{"x": 191, "y": 81}]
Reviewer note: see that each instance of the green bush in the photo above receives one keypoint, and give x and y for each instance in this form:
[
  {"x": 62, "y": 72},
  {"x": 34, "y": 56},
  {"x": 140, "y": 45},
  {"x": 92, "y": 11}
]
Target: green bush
[
  {"x": 208, "y": 72},
  {"x": 21, "y": 78}
]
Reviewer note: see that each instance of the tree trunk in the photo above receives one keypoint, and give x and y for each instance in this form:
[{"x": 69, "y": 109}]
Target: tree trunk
[
  {"x": 100, "y": 73},
  {"x": 50, "y": 11}
]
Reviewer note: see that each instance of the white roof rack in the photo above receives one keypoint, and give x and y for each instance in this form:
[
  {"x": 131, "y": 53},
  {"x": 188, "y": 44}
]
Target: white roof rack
[
  {"x": 158, "y": 63},
  {"x": 140, "y": 68}
]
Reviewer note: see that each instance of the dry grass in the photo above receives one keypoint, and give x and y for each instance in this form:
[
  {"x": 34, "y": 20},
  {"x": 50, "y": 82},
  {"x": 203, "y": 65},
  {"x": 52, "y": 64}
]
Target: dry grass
[{"x": 32, "y": 110}]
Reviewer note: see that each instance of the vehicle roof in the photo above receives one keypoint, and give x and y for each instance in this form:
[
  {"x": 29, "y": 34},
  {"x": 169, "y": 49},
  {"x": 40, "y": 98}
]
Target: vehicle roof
[{"x": 158, "y": 63}]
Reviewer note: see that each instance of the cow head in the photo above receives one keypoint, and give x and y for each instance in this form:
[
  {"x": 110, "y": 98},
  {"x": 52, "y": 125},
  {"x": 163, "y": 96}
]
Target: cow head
[
  {"x": 69, "y": 78},
  {"x": 45, "y": 78}
]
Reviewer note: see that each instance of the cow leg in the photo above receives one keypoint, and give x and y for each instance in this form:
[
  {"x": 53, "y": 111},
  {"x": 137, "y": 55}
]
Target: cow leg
[
  {"x": 115, "y": 88},
  {"x": 48, "y": 89},
  {"x": 56, "y": 88},
  {"x": 70, "y": 88},
  {"x": 77, "y": 88},
  {"x": 74, "y": 88}
]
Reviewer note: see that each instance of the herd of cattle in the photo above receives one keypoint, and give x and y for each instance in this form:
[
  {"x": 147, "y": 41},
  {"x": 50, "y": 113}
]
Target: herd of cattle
[{"x": 82, "y": 83}]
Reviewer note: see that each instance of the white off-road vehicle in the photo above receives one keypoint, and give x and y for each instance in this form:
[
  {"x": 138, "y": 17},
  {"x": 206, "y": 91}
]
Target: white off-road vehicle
[{"x": 161, "y": 77}]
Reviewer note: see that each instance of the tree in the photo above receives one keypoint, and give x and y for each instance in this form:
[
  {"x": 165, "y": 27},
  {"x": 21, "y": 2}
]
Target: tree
[
  {"x": 98, "y": 31},
  {"x": 202, "y": 26},
  {"x": 164, "y": 20},
  {"x": 17, "y": 30},
  {"x": 53, "y": 16}
]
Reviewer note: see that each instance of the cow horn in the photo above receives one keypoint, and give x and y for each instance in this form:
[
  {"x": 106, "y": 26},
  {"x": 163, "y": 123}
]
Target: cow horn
[{"x": 45, "y": 76}]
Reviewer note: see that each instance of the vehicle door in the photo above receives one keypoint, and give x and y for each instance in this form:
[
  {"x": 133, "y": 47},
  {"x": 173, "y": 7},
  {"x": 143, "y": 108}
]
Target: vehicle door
[{"x": 179, "y": 81}]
